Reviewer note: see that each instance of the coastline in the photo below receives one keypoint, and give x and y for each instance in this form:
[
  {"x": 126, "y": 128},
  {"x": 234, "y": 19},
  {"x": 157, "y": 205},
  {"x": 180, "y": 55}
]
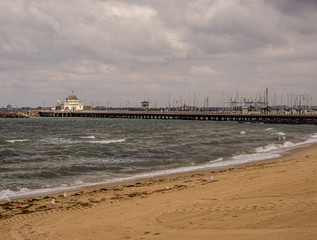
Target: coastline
[
  {"x": 274, "y": 198},
  {"x": 264, "y": 153}
]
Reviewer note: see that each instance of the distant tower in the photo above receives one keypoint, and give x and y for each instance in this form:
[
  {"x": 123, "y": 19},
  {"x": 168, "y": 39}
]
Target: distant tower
[
  {"x": 145, "y": 105},
  {"x": 267, "y": 96}
]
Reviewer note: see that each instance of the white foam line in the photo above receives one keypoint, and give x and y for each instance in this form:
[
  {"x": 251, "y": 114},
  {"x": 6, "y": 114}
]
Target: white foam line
[
  {"x": 18, "y": 140},
  {"x": 89, "y": 137},
  {"x": 108, "y": 141}
]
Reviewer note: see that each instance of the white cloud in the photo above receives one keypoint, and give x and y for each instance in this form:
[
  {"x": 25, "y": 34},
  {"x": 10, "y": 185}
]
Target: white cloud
[
  {"x": 123, "y": 10},
  {"x": 204, "y": 70}
]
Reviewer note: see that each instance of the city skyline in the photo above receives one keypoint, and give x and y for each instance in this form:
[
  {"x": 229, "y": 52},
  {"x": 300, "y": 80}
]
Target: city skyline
[{"x": 124, "y": 52}]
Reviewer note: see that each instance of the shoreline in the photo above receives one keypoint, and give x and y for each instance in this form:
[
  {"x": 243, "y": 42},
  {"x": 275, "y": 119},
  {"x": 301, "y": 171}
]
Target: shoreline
[
  {"x": 247, "y": 198},
  {"x": 223, "y": 164}
]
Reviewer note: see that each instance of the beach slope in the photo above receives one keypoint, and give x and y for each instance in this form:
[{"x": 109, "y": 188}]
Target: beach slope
[{"x": 273, "y": 199}]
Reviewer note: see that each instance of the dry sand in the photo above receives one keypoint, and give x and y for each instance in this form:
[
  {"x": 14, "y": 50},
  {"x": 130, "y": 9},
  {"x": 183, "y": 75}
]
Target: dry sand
[{"x": 274, "y": 199}]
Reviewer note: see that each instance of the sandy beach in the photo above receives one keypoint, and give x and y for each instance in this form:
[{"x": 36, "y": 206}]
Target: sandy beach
[{"x": 272, "y": 199}]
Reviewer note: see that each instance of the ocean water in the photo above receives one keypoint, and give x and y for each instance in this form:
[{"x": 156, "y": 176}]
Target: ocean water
[{"x": 43, "y": 155}]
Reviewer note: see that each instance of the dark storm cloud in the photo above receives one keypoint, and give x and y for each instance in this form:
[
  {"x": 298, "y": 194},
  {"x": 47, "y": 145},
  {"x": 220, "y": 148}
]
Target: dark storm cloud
[
  {"x": 299, "y": 16},
  {"x": 296, "y": 7},
  {"x": 231, "y": 29}
]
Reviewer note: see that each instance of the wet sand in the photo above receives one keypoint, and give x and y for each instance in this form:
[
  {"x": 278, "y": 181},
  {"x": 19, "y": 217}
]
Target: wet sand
[{"x": 272, "y": 199}]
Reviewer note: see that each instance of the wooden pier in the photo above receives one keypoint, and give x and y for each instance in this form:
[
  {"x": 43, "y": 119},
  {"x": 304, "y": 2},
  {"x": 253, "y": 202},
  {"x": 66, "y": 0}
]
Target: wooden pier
[{"x": 188, "y": 115}]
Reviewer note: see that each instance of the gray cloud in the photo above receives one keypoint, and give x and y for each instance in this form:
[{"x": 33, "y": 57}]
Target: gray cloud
[
  {"x": 294, "y": 7},
  {"x": 123, "y": 51}
]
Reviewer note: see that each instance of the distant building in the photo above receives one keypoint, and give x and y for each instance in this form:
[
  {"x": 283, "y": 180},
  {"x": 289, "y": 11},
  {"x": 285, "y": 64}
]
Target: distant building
[
  {"x": 88, "y": 108},
  {"x": 9, "y": 107},
  {"x": 247, "y": 110},
  {"x": 145, "y": 105},
  {"x": 266, "y": 110},
  {"x": 72, "y": 104}
]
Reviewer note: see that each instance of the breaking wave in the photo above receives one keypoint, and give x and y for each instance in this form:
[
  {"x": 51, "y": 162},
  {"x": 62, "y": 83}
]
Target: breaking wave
[
  {"x": 18, "y": 140},
  {"x": 108, "y": 141}
]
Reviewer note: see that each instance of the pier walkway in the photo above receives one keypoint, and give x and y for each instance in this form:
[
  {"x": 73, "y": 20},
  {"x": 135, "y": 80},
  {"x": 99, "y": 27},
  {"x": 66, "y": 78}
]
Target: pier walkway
[{"x": 188, "y": 115}]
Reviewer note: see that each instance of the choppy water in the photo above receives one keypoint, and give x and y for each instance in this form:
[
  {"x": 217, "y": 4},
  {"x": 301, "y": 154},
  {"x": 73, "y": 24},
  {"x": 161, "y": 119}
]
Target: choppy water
[{"x": 41, "y": 155}]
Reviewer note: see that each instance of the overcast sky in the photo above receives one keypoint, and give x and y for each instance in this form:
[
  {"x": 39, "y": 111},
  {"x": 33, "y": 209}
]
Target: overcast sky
[{"x": 123, "y": 52}]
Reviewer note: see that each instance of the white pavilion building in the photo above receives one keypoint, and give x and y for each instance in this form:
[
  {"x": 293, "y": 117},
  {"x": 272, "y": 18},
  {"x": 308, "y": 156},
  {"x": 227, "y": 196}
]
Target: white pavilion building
[{"x": 72, "y": 104}]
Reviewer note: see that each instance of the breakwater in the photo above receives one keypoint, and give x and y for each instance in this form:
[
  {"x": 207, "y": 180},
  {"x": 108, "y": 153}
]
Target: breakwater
[
  {"x": 13, "y": 115},
  {"x": 202, "y": 116}
]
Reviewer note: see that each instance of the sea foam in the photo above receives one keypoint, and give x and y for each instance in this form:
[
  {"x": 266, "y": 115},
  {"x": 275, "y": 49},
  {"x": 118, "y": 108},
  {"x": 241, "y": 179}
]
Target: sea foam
[
  {"x": 60, "y": 141},
  {"x": 267, "y": 148},
  {"x": 108, "y": 141},
  {"x": 18, "y": 140},
  {"x": 280, "y": 133},
  {"x": 89, "y": 137}
]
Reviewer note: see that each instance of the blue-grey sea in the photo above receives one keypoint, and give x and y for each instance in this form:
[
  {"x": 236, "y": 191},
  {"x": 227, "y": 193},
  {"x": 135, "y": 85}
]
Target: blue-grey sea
[{"x": 43, "y": 155}]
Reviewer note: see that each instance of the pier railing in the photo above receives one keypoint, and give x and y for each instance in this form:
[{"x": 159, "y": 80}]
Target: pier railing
[{"x": 190, "y": 115}]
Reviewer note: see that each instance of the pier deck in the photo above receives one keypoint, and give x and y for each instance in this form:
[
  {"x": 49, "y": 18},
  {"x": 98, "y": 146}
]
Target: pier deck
[{"x": 188, "y": 115}]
